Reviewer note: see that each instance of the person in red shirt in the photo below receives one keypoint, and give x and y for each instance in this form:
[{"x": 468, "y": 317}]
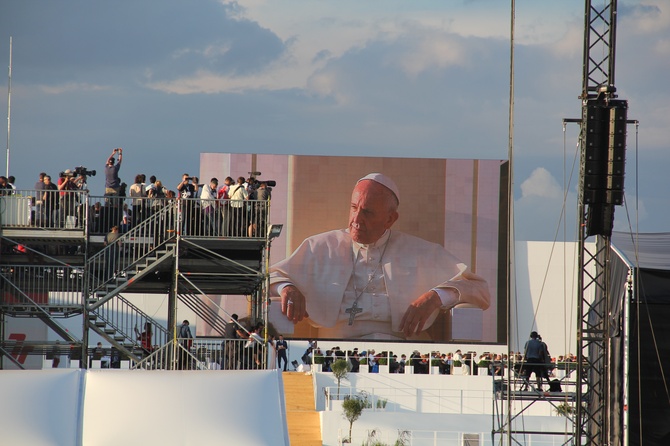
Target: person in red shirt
[{"x": 145, "y": 338}]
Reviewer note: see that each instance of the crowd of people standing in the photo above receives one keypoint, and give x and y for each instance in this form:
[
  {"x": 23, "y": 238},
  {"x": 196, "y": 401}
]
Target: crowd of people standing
[{"x": 234, "y": 208}]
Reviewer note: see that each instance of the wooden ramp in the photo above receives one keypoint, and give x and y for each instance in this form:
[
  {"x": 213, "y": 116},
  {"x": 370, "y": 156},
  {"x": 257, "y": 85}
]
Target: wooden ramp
[{"x": 304, "y": 426}]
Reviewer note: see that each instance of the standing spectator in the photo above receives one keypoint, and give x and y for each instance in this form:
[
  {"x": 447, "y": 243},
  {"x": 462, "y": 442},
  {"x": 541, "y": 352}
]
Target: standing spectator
[
  {"x": 157, "y": 195},
  {"x": 252, "y": 349},
  {"x": 112, "y": 181},
  {"x": 549, "y": 366},
  {"x": 282, "y": 348},
  {"x": 238, "y": 194},
  {"x": 355, "y": 360},
  {"x": 230, "y": 344},
  {"x": 126, "y": 218},
  {"x": 97, "y": 354},
  {"x": 188, "y": 192},
  {"x": 68, "y": 185},
  {"x": 224, "y": 199},
  {"x": 39, "y": 185},
  {"x": 209, "y": 208},
  {"x": 259, "y": 211},
  {"x": 39, "y": 202},
  {"x": 402, "y": 363},
  {"x": 50, "y": 202},
  {"x": 151, "y": 185},
  {"x": 56, "y": 355},
  {"x": 186, "y": 339},
  {"x": 4, "y": 187},
  {"x": 145, "y": 338},
  {"x": 11, "y": 180},
  {"x": 272, "y": 353},
  {"x": 534, "y": 360},
  {"x": 113, "y": 261},
  {"x": 113, "y": 188},
  {"x": 95, "y": 216},
  {"x": 138, "y": 193}
]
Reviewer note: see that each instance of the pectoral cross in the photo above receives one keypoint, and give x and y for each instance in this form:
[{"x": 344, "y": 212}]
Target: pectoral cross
[{"x": 353, "y": 311}]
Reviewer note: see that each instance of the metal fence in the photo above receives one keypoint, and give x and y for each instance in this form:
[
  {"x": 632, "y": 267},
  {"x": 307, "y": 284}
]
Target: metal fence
[
  {"x": 53, "y": 285},
  {"x": 193, "y": 354},
  {"x": 412, "y": 399},
  {"x": 78, "y": 210}
]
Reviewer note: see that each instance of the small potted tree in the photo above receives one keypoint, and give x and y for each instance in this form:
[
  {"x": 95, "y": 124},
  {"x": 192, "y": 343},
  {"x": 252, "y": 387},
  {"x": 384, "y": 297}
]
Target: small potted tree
[
  {"x": 351, "y": 410},
  {"x": 340, "y": 368}
]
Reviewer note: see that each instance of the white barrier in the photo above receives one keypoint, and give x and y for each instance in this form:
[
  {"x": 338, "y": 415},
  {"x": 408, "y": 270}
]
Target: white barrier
[{"x": 112, "y": 407}]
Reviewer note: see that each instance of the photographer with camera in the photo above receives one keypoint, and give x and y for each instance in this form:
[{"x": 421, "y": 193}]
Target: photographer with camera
[
  {"x": 189, "y": 206},
  {"x": 69, "y": 198},
  {"x": 112, "y": 181}
]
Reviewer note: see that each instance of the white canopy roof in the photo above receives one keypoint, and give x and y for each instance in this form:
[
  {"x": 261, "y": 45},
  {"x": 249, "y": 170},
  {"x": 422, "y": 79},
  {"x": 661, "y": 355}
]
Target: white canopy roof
[{"x": 653, "y": 249}]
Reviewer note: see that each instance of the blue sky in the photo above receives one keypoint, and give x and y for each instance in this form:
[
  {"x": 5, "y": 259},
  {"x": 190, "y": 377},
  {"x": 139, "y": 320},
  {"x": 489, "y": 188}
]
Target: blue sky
[{"x": 167, "y": 80}]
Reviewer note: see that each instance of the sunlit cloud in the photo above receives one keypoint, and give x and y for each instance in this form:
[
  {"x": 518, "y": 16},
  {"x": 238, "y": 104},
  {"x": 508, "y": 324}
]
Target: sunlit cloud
[
  {"x": 542, "y": 184},
  {"x": 71, "y": 87}
]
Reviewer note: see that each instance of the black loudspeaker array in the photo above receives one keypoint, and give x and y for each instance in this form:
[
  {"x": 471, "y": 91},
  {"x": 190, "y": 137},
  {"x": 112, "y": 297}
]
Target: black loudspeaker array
[{"x": 604, "y": 162}]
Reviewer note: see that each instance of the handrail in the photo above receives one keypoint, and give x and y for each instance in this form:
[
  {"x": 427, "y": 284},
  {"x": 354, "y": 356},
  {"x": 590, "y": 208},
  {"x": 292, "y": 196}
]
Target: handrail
[
  {"x": 171, "y": 356},
  {"x": 124, "y": 317},
  {"x": 45, "y": 210},
  {"x": 203, "y": 311},
  {"x": 79, "y": 210},
  {"x": 130, "y": 247}
]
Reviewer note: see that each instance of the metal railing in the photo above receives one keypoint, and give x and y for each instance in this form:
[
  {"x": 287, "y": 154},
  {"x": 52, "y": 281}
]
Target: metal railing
[
  {"x": 48, "y": 210},
  {"x": 54, "y": 285},
  {"x": 223, "y": 218},
  {"x": 192, "y": 354},
  {"x": 118, "y": 256},
  {"x": 122, "y": 321},
  {"x": 390, "y": 436},
  {"x": 412, "y": 399},
  {"x": 78, "y": 210}
]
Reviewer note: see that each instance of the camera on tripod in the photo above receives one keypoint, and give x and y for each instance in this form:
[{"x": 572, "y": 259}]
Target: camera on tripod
[{"x": 84, "y": 172}]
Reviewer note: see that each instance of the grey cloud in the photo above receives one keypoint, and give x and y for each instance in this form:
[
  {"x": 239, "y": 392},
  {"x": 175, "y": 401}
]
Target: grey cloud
[
  {"x": 624, "y": 10},
  {"x": 322, "y": 55},
  {"x": 77, "y": 41}
]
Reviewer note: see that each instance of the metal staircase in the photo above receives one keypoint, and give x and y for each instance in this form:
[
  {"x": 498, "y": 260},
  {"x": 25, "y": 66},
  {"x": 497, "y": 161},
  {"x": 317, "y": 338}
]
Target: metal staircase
[
  {"x": 49, "y": 272},
  {"x": 117, "y": 320},
  {"x": 112, "y": 270},
  {"x": 196, "y": 304}
]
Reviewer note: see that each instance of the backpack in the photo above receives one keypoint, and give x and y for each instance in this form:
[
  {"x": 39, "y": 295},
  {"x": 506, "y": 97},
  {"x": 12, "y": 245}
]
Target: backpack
[{"x": 555, "y": 386}]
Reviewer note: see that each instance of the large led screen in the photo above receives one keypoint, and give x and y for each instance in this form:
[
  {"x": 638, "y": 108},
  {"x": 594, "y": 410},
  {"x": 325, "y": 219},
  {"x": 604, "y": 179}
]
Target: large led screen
[{"x": 416, "y": 251}]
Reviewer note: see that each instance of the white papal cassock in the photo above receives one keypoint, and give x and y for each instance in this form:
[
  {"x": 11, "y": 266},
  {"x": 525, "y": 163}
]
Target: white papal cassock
[{"x": 322, "y": 268}]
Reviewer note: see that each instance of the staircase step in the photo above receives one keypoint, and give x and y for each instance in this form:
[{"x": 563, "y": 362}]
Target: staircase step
[
  {"x": 119, "y": 338},
  {"x": 304, "y": 428},
  {"x": 302, "y": 419},
  {"x": 100, "y": 324},
  {"x": 298, "y": 388},
  {"x": 110, "y": 331}
]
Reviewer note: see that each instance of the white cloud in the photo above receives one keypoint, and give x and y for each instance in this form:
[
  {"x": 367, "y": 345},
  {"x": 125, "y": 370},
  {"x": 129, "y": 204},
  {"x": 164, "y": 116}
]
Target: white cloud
[
  {"x": 651, "y": 17},
  {"x": 541, "y": 212},
  {"x": 433, "y": 51},
  {"x": 210, "y": 83},
  {"x": 541, "y": 184},
  {"x": 71, "y": 87}
]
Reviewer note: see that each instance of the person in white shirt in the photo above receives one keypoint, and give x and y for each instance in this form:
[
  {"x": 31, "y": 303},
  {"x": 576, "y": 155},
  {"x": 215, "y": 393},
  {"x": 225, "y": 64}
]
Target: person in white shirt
[{"x": 209, "y": 208}]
